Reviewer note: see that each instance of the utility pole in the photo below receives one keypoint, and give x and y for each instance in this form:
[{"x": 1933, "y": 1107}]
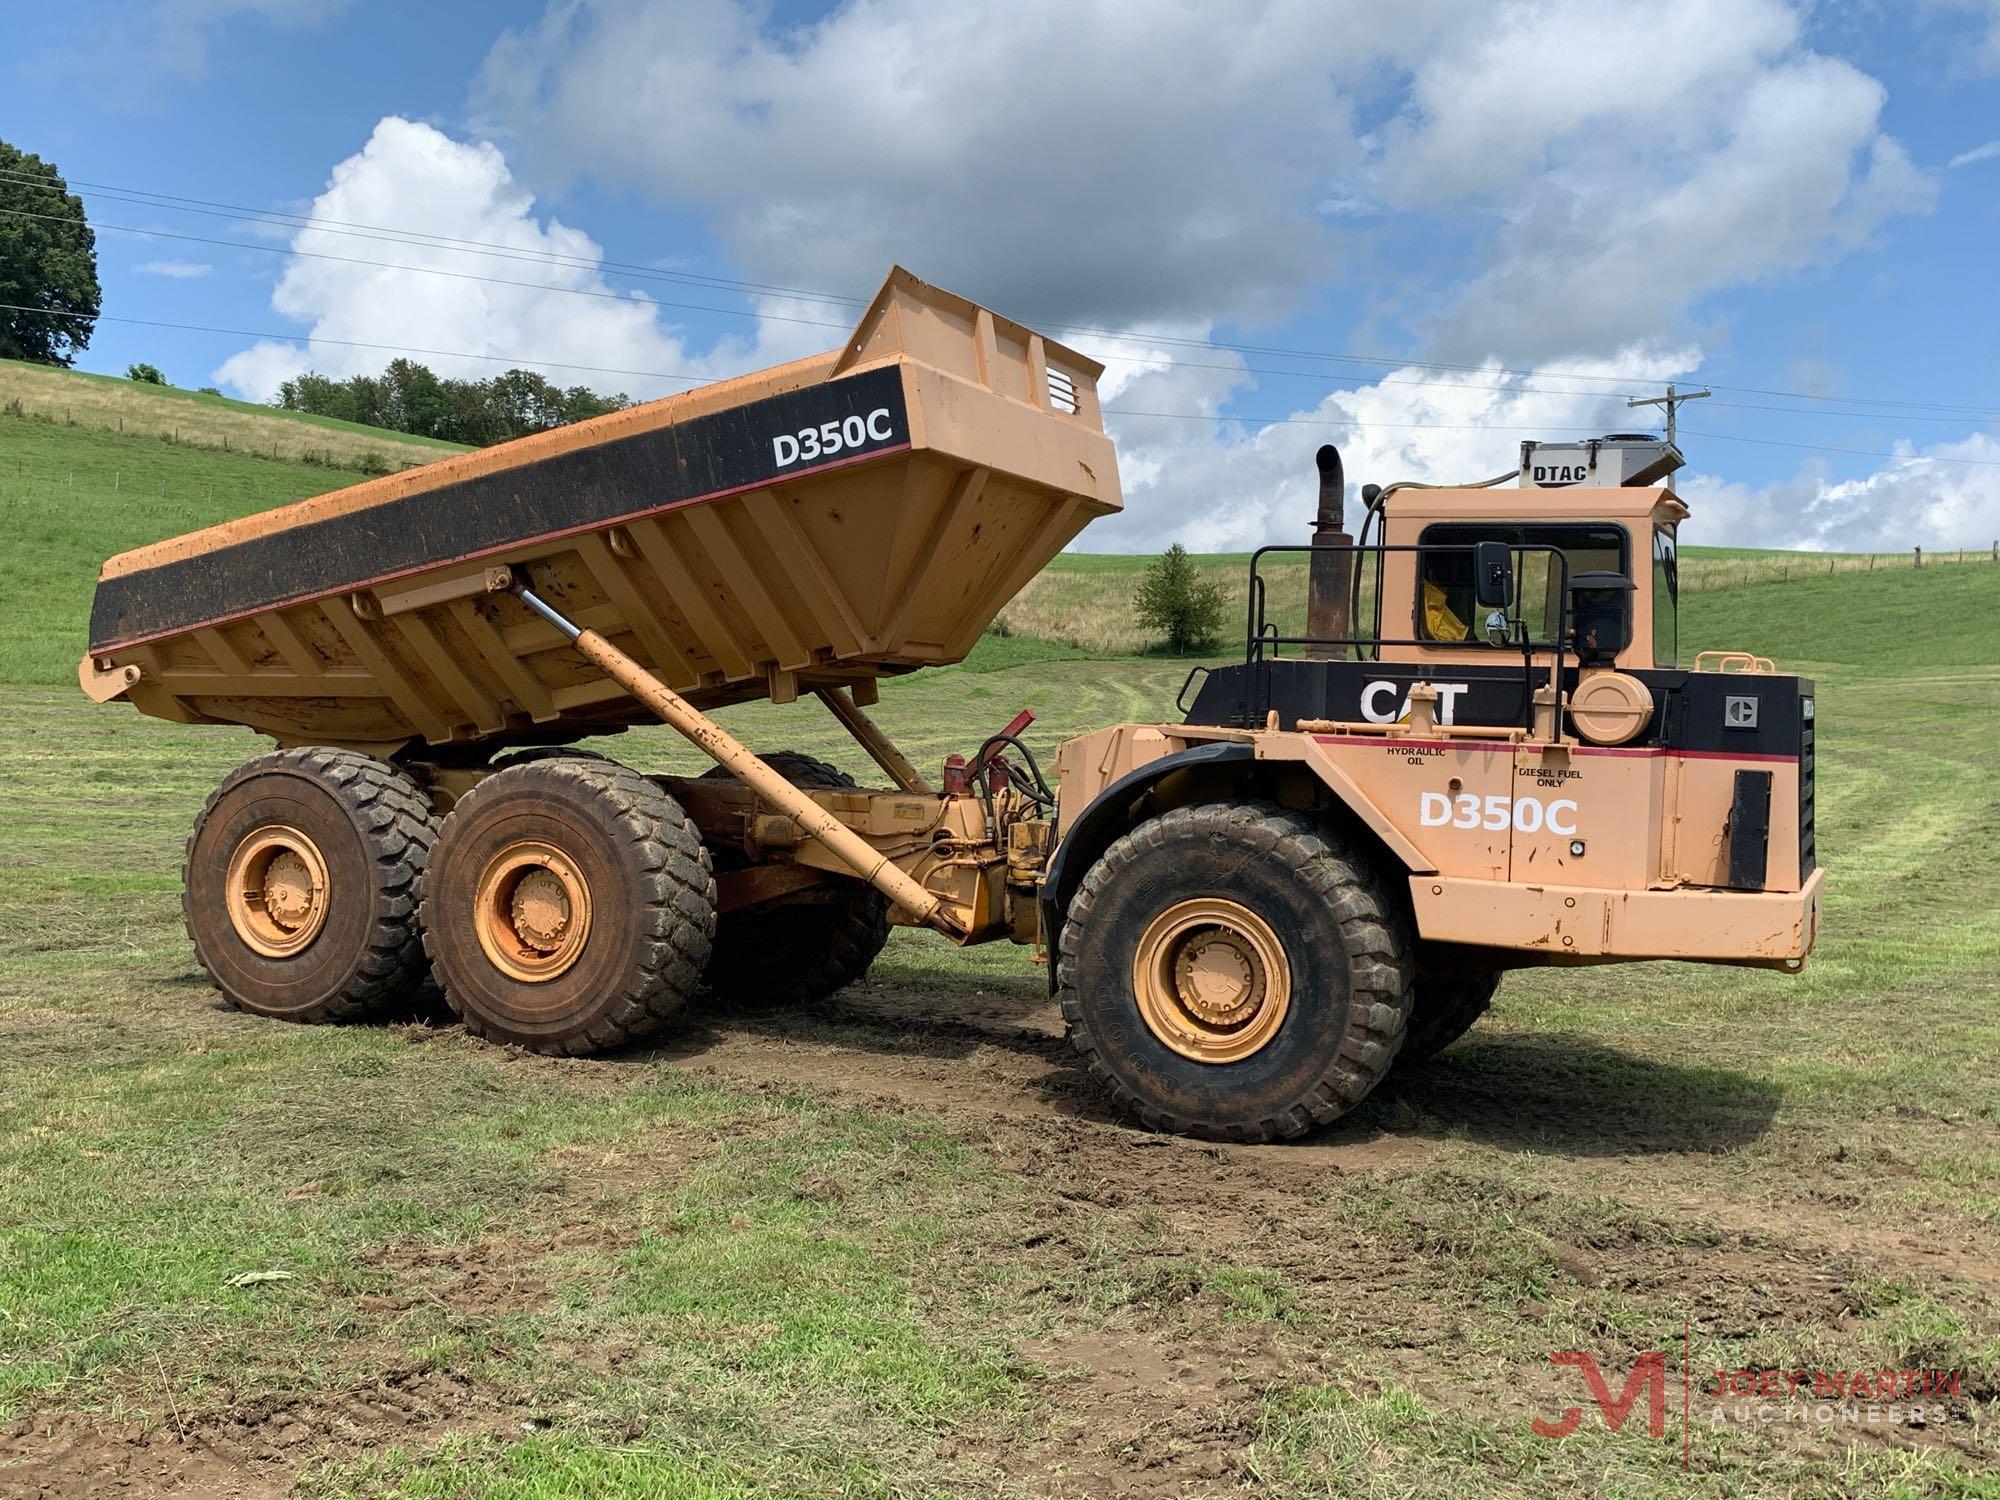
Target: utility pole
[{"x": 1670, "y": 401}]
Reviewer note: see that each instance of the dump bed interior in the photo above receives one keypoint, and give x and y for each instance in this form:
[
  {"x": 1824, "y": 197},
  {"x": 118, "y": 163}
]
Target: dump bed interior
[{"x": 863, "y": 512}]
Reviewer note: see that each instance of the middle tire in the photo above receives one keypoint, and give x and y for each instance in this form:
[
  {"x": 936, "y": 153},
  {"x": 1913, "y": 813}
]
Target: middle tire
[
  {"x": 798, "y": 952},
  {"x": 1230, "y": 972},
  {"x": 569, "y": 905}
]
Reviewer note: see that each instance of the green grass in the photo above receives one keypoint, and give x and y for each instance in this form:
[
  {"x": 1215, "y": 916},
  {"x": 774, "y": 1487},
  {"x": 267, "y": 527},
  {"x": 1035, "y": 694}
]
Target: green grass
[
  {"x": 14, "y": 369},
  {"x": 895, "y": 1247},
  {"x": 1084, "y": 600},
  {"x": 71, "y": 497},
  {"x": 199, "y": 419}
]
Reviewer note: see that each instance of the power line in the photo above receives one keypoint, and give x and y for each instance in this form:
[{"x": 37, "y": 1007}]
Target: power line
[
  {"x": 1346, "y": 422},
  {"x": 424, "y": 239},
  {"x": 1901, "y": 458},
  {"x": 388, "y": 265},
  {"x": 1112, "y": 411},
  {"x": 1251, "y": 421},
  {"x": 247, "y": 333},
  {"x": 1177, "y": 416}
]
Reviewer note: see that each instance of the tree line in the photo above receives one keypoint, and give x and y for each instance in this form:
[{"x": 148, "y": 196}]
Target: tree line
[{"x": 409, "y": 397}]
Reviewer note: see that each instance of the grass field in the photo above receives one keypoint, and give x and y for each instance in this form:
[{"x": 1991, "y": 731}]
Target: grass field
[
  {"x": 1085, "y": 600},
  {"x": 897, "y": 1247},
  {"x": 104, "y": 403}
]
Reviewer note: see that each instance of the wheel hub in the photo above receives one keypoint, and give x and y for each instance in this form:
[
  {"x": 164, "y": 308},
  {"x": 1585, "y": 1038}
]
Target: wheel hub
[
  {"x": 1212, "y": 980},
  {"x": 277, "y": 891},
  {"x": 532, "y": 911}
]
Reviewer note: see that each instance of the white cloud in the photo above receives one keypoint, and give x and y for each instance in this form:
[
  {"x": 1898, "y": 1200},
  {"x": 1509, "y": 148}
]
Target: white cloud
[
  {"x": 179, "y": 270},
  {"x": 1232, "y": 485},
  {"x": 1639, "y": 160},
  {"x": 361, "y": 314},
  {"x": 1583, "y": 174},
  {"x": 1083, "y": 160},
  {"x": 1978, "y": 153},
  {"x": 1601, "y": 166},
  {"x": 1939, "y": 497}
]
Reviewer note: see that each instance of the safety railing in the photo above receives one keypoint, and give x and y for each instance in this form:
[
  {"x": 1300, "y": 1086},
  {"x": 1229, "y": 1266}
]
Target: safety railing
[{"x": 1263, "y": 644}]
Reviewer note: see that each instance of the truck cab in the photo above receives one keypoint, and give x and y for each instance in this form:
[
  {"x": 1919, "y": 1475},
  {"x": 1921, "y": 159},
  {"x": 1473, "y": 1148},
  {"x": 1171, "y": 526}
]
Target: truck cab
[{"x": 1539, "y": 747}]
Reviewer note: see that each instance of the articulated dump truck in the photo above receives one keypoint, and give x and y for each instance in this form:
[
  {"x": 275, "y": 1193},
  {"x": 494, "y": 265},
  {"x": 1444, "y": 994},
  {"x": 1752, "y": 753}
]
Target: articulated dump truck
[{"x": 1476, "y": 748}]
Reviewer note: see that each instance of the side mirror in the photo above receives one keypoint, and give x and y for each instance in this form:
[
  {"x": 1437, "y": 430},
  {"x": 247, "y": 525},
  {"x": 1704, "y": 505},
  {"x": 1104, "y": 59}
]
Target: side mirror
[
  {"x": 1493, "y": 574},
  {"x": 1498, "y": 629},
  {"x": 1601, "y": 609}
]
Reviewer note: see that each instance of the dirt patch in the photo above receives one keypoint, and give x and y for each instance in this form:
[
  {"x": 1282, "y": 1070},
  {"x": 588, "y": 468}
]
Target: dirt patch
[
  {"x": 1385, "y": 1236},
  {"x": 1141, "y": 1413},
  {"x": 248, "y": 1450}
]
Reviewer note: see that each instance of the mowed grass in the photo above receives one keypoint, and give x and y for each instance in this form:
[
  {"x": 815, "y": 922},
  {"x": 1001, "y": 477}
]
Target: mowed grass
[
  {"x": 895, "y": 1248},
  {"x": 105, "y": 403},
  {"x": 1084, "y": 600}
]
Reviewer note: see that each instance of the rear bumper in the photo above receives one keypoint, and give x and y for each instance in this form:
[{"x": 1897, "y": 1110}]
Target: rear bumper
[{"x": 1562, "y": 924}]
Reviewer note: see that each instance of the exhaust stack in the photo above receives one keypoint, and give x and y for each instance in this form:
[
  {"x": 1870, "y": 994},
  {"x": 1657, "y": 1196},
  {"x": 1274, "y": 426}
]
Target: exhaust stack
[{"x": 1330, "y": 573}]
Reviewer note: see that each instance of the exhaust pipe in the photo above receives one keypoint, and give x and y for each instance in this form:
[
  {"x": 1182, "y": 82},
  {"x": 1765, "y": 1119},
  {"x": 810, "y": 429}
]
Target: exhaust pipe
[{"x": 1330, "y": 573}]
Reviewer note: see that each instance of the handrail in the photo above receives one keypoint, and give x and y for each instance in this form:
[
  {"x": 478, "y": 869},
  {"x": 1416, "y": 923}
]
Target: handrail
[
  {"x": 1733, "y": 661},
  {"x": 1260, "y": 633}
]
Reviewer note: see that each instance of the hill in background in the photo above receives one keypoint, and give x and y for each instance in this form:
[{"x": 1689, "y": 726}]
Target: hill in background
[
  {"x": 200, "y": 420},
  {"x": 73, "y": 494}
]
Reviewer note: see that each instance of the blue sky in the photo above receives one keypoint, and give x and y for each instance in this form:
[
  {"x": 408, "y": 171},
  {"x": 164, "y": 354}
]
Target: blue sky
[{"x": 1504, "y": 217}]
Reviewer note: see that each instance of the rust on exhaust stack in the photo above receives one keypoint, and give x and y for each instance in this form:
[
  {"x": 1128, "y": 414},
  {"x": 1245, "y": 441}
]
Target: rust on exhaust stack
[{"x": 1330, "y": 573}]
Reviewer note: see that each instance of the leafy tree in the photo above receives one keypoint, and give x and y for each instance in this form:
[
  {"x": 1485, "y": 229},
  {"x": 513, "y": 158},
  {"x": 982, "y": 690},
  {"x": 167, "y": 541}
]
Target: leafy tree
[
  {"x": 409, "y": 397},
  {"x": 1173, "y": 600},
  {"x": 145, "y": 374},
  {"x": 47, "y": 263}
]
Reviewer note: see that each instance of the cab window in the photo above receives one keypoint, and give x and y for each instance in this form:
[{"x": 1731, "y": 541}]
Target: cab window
[
  {"x": 1666, "y": 598},
  {"x": 1446, "y": 609}
]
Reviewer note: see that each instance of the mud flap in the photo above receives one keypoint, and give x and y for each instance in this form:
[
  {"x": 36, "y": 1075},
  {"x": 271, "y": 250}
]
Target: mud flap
[{"x": 1749, "y": 831}]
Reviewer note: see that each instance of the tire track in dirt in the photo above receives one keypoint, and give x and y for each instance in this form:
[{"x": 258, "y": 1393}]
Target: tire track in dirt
[
  {"x": 999, "y": 1063},
  {"x": 1164, "y": 1397}
]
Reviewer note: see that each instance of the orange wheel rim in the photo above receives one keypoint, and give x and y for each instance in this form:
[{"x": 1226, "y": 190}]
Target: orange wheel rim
[
  {"x": 1212, "y": 980},
  {"x": 532, "y": 911},
  {"x": 277, "y": 891}
]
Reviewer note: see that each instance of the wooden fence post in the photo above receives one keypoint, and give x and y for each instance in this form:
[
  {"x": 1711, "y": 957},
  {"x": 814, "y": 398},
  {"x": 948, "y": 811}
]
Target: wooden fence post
[{"x": 1920, "y": 557}]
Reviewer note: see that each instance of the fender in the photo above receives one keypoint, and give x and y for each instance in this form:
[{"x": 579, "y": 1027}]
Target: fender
[{"x": 1101, "y": 823}]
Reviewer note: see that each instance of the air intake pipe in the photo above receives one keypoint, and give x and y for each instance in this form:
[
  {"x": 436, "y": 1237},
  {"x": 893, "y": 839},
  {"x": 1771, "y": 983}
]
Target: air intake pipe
[{"x": 1329, "y": 576}]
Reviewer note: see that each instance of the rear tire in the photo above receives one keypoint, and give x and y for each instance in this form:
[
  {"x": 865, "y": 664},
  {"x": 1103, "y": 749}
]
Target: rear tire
[
  {"x": 299, "y": 888},
  {"x": 1445, "y": 1009},
  {"x": 1229, "y": 971},
  {"x": 798, "y": 952},
  {"x": 568, "y": 907}
]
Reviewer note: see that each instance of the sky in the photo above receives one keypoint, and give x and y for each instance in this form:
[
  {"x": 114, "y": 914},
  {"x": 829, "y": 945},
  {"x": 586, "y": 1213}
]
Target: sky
[{"x": 1423, "y": 232}]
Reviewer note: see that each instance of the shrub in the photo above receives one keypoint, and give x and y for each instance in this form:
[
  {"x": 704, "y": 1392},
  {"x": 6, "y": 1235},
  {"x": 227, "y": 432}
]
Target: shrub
[
  {"x": 145, "y": 374},
  {"x": 1172, "y": 600}
]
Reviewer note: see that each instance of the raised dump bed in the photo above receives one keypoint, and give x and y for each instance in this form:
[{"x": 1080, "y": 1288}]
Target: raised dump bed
[{"x": 863, "y": 512}]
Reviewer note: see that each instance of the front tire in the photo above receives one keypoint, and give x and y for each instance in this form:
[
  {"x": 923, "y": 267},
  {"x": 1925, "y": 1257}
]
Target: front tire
[
  {"x": 568, "y": 907},
  {"x": 1229, "y": 971},
  {"x": 299, "y": 888}
]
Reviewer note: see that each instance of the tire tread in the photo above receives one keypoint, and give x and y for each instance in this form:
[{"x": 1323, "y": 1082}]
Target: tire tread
[
  {"x": 666, "y": 849},
  {"x": 1379, "y": 958},
  {"x": 397, "y": 827}
]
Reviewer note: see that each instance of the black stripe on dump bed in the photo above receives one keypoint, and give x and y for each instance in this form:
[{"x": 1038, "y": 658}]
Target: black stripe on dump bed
[{"x": 736, "y": 449}]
